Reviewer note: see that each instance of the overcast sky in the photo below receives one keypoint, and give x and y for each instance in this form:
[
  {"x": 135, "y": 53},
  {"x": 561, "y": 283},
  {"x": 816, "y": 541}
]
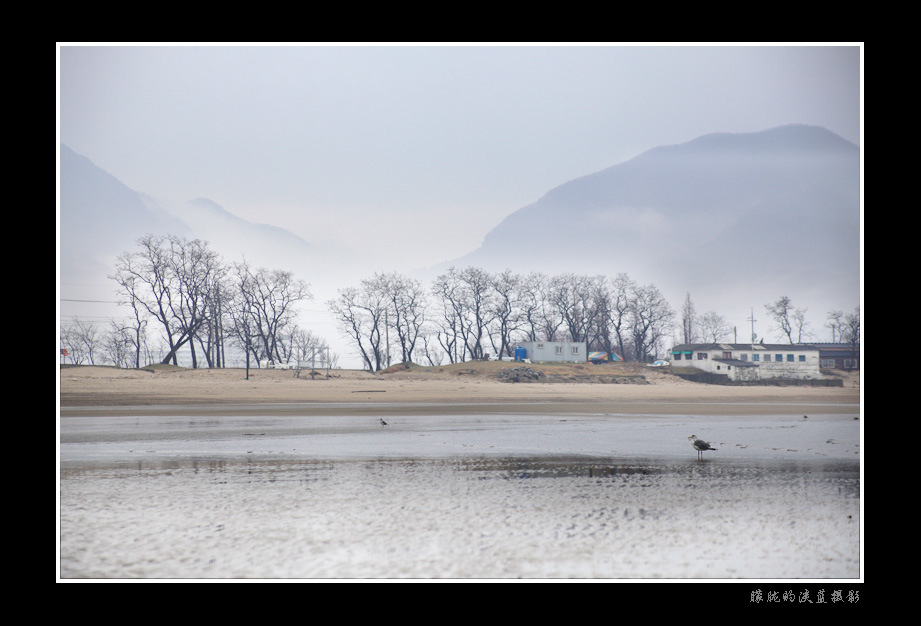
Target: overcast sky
[{"x": 436, "y": 143}]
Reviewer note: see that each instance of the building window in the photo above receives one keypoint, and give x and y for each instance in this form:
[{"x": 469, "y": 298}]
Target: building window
[
  {"x": 744, "y": 356},
  {"x": 756, "y": 357},
  {"x": 559, "y": 349},
  {"x": 540, "y": 346},
  {"x": 789, "y": 358},
  {"x": 778, "y": 358},
  {"x": 767, "y": 358},
  {"x": 802, "y": 358},
  {"x": 575, "y": 349},
  {"x": 701, "y": 356}
]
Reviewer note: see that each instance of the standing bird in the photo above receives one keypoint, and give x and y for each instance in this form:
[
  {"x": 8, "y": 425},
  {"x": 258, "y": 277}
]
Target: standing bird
[
  {"x": 383, "y": 423},
  {"x": 700, "y": 445}
]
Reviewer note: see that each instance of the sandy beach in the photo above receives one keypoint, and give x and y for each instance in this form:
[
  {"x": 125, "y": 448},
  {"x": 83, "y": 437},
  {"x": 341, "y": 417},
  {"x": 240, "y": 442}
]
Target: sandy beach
[{"x": 474, "y": 387}]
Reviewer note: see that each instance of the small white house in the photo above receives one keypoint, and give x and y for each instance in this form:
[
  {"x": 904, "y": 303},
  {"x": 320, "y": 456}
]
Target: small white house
[
  {"x": 272, "y": 365},
  {"x": 566, "y": 351},
  {"x": 746, "y": 361}
]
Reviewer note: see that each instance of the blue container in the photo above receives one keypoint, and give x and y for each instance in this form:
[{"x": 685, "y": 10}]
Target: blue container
[{"x": 520, "y": 354}]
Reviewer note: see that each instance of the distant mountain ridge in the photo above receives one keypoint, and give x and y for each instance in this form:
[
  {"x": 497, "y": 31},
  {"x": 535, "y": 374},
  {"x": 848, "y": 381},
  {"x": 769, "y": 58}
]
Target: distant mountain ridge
[
  {"x": 100, "y": 217},
  {"x": 777, "y": 210},
  {"x": 738, "y": 218},
  {"x": 263, "y": 244}
]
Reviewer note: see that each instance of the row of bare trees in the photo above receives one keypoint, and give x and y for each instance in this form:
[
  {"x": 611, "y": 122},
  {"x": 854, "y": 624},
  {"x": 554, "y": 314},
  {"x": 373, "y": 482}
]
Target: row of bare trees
[
  {"x": 114, "y": 343},
  {"x": 468, "y": 313},
  {"x": 791, "y": 323},
  {"x": 183, "y": 292},
  {"x": 788, "y": 323}
]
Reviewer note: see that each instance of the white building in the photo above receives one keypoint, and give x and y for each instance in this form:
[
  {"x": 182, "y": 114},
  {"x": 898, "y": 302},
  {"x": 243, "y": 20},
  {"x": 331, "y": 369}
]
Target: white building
[
  {"x": 568, "y": 351},
  {"x": 745, "y": 361}
]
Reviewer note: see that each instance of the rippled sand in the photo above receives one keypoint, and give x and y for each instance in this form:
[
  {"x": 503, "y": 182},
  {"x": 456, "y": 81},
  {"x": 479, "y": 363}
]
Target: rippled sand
[{"x": 494, "y": 497}]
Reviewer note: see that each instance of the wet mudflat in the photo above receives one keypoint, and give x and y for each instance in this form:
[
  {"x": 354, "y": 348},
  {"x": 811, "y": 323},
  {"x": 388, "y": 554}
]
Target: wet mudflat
[{"x": 487, "y": 496}]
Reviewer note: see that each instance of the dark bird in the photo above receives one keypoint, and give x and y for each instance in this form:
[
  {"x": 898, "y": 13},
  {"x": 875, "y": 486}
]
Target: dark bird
[
  {"x": 383, "y": 423},
  {"x": 700, "y": 445}
]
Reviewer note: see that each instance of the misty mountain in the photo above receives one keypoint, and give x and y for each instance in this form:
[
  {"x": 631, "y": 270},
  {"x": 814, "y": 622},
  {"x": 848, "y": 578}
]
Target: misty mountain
[
  {"x": 735, "y": 219},
  {"x": 235, "y": 238},
  {"x": 100, "y": 218},
  {"x": 753, "y": 215}
]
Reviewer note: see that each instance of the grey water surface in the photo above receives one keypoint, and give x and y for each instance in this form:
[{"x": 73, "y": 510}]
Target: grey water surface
[{"x": 460, "y": 496}]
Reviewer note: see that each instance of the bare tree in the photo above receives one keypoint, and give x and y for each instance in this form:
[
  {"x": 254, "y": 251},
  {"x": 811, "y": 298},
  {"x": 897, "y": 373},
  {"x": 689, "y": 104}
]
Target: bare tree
[
  {"x": 68, "y": 342},
  {"x": 243, "y": 322},
  {"x": 406, "y": 310},
  {"x": 116, "y": 345},
  {"x": 619, "y": 310},
  {"x": 574, "y": 296},
  {"x": 306, "y": 346},
  {"x": 781, "y": 311},
  {"x": 713, "y": 327},
  {"x": 81, "y": 338},
  {"x": 172, "y": 280},
  {"x": 801, "y": 326},
  {"x": 597, "y": 308},
  {"x": 566, "y": 296},
  {"x": 600, "y": 332},
  {"x": 507, "y": 311},
  {"x": 266, "y": 300},
  {"x": 651, "y": 320},
  {"x": 466, "y": 298},
  {"x": 851, "y": 333},
  {"x": 448, "y": 291},
  {"x": 121, "y": 346},
  {"x": 478, "y": 301},
  {"x": 531, "y": 302},
  {"x": 361, "y": 315},
  {"x": 449, "y": 332},
  {"x": 138, "y": 326},
  {"x": 433, "y": 353},
  {"x": 689, "y": 321},
  {"x": 211, "y": 337},
  {"x": 835, "y": 323},
  {"x": 788, "y": 319},
  {"x": 541, "y": 319}
]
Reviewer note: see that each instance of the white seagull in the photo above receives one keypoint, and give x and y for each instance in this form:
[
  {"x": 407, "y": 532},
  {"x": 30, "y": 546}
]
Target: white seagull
[{"x": 700, "y": 445}]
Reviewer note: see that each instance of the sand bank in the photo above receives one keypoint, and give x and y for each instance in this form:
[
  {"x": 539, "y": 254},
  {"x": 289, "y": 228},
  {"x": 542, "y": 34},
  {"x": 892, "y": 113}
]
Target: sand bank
[{"x": 467, "y": 388}]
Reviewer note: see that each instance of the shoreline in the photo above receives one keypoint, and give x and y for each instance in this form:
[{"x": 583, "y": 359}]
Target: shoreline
[{"x": 90, "y": 390}]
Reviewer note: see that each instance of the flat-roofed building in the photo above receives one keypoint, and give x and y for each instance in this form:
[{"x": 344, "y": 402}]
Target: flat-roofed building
[{"x": 747, "y": 361}]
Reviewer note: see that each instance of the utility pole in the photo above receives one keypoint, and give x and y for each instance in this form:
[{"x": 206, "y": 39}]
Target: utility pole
[
  {"x": 247, "y": 355},
  {"x": 753, "y": 320},
  {"x": 387, "y": 336}
]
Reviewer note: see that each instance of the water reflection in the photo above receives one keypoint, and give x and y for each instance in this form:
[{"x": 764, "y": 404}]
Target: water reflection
[
  {"x": 463, "y": 517},
  {"x": 513, "y": 467}
]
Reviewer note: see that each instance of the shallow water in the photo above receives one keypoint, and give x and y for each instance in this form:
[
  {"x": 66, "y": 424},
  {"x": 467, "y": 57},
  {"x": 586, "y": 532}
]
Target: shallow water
[{"x": 489, "y": 497}]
